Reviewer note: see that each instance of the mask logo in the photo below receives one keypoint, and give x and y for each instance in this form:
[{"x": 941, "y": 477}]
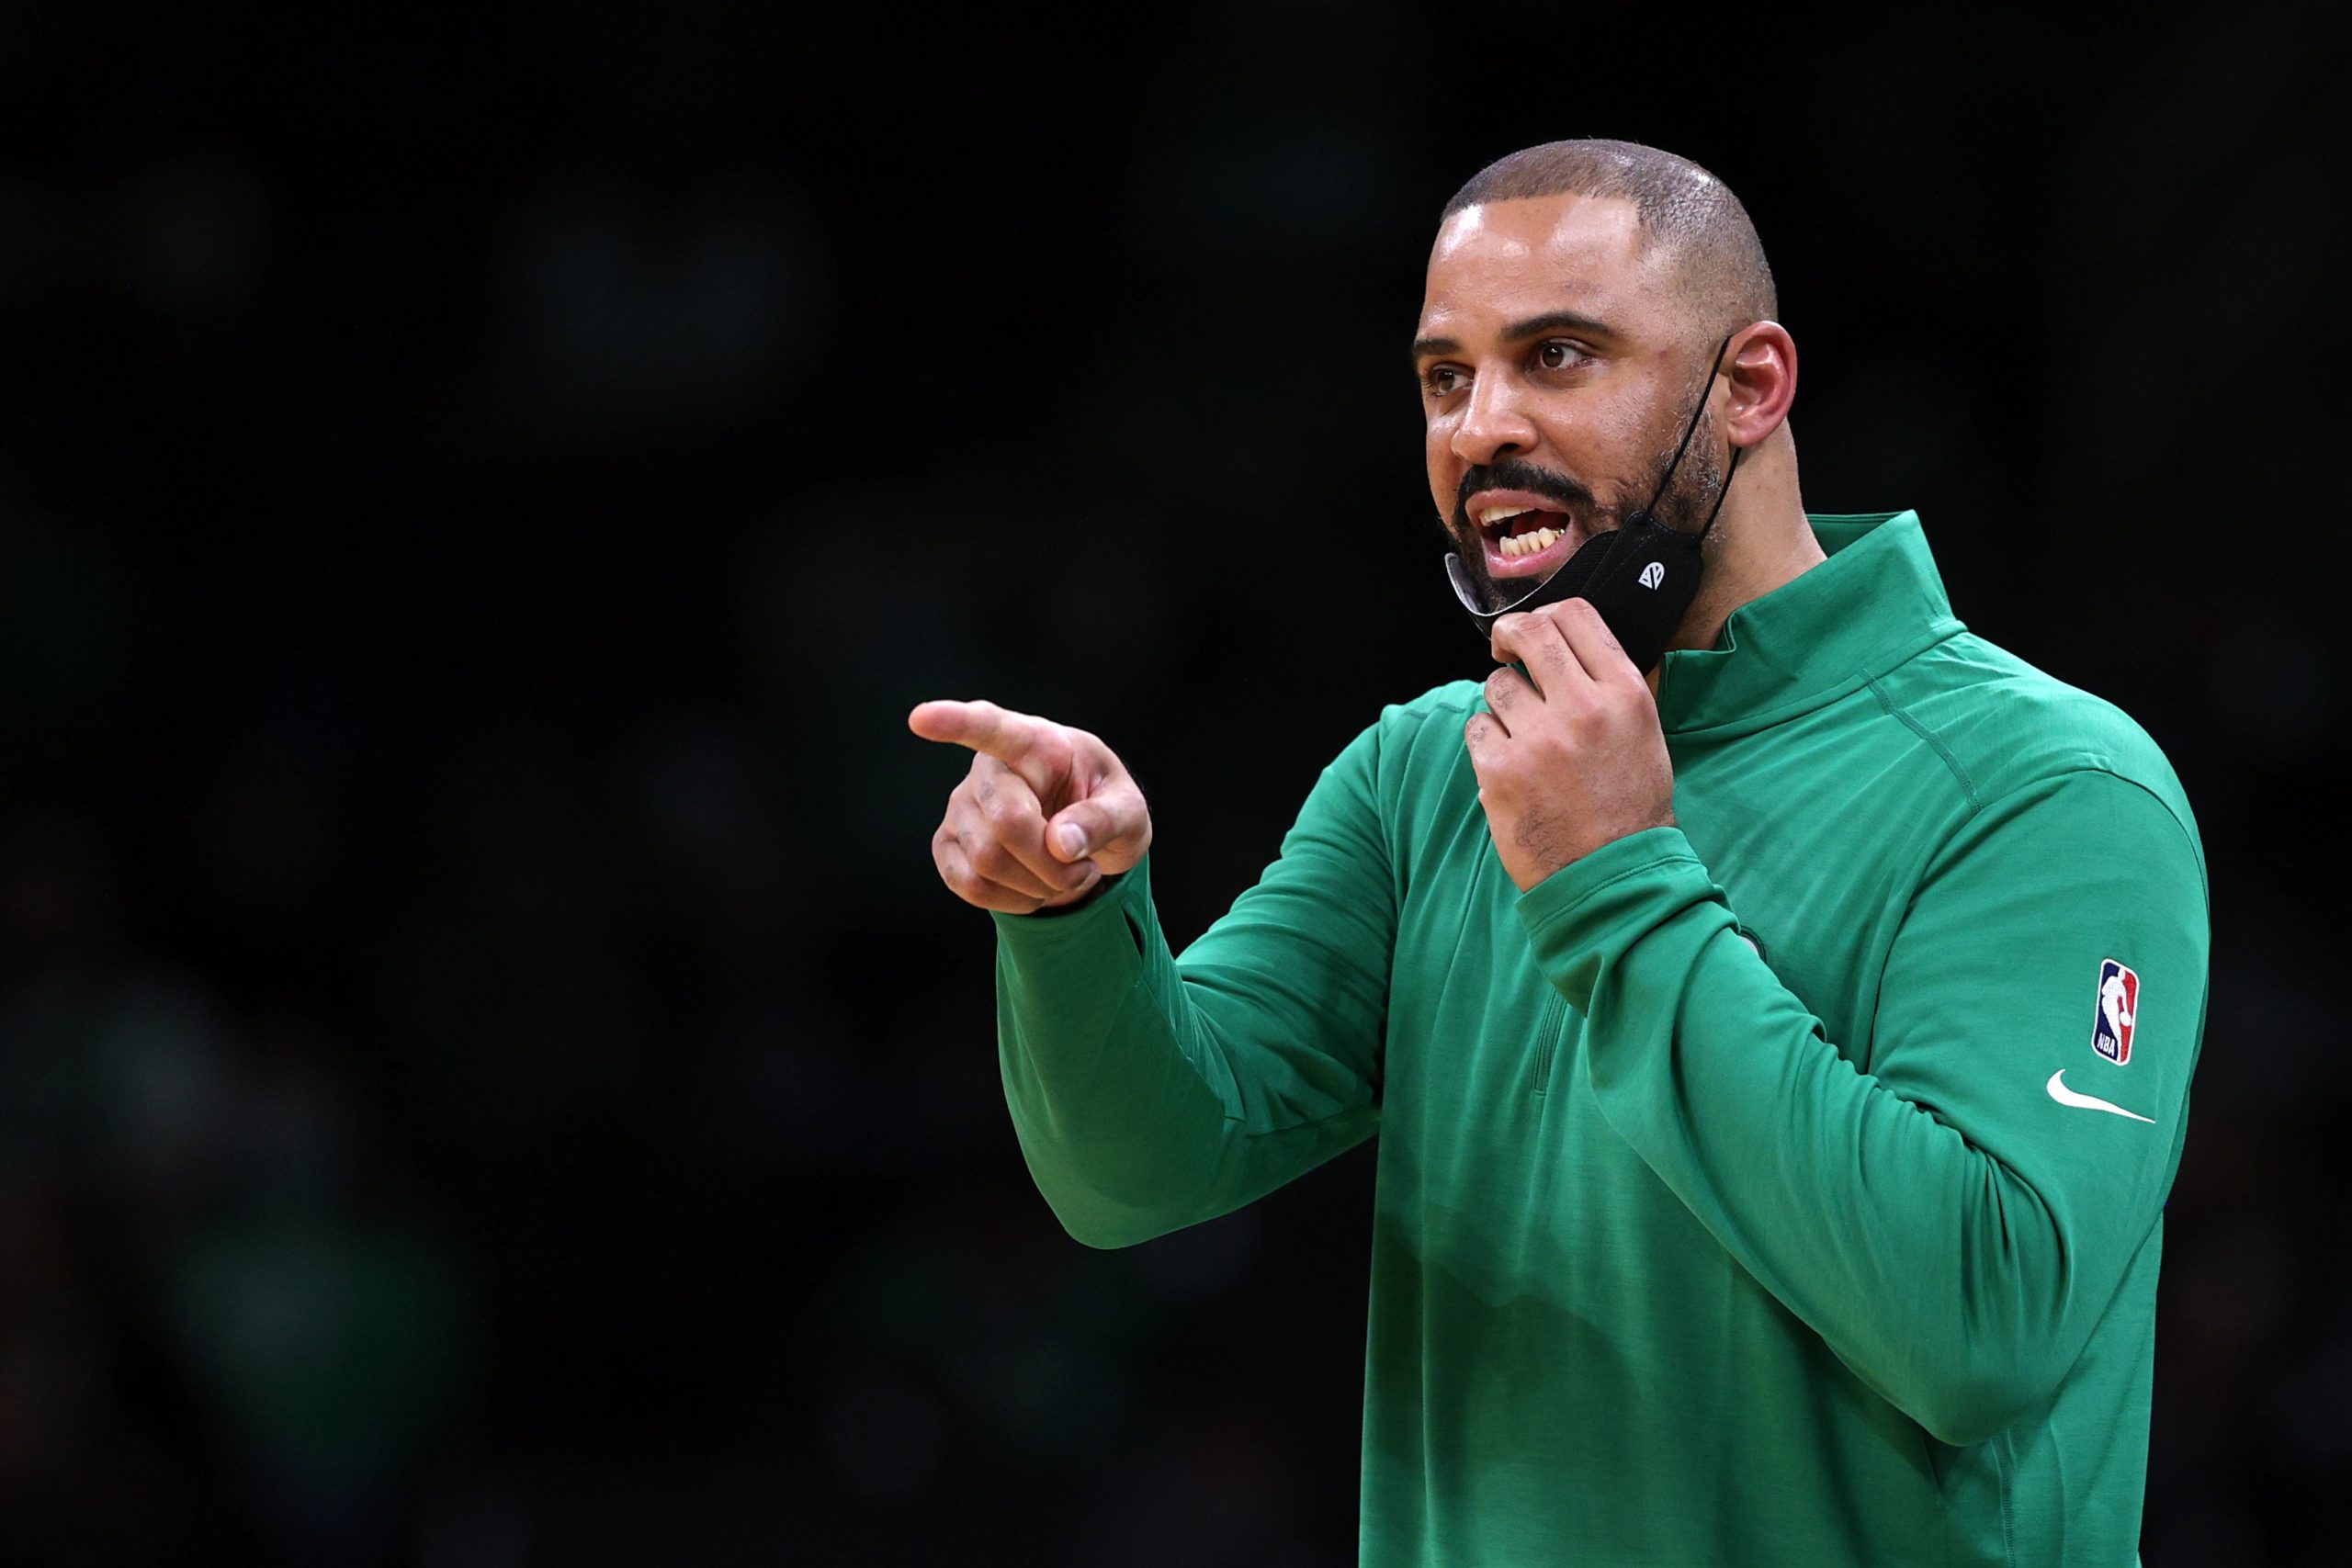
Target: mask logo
[
  {"x": 2119, "y": 1011},
  {"x": 1653, "y": 574}
]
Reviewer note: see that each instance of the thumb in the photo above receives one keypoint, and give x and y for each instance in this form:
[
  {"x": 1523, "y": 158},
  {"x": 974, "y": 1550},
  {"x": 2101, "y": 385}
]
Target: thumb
[
  {"x": 1076, "y": 830},
  {"x": 1088, "y": 827}
]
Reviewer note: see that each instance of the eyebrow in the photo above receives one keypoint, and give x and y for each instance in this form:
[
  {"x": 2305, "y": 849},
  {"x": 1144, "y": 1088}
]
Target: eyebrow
[{"x": 1519, "y": 332}]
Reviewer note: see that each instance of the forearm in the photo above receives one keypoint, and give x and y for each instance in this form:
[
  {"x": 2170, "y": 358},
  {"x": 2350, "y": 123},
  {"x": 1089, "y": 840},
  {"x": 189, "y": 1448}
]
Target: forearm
[
  {"x": 1116, "y": 1126},
  {"x": 1144, "y": 1103}
]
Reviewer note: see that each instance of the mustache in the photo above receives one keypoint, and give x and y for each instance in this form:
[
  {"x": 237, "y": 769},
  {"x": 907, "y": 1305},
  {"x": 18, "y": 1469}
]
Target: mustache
[{"x": 1511, "y": 474}]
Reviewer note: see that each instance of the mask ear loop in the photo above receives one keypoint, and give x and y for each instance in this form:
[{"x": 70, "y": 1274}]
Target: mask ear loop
[
  {"x": 1724, "y": 488},
  {"x": 1648, "y": 513}
]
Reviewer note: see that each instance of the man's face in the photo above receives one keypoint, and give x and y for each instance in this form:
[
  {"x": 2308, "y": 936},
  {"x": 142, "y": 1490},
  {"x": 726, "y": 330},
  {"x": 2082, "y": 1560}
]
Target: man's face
[{"x": 1557, "y": 370}]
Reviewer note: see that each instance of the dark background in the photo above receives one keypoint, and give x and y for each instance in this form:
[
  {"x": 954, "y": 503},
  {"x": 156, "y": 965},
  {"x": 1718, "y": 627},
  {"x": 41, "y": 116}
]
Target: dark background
[{"x": 487, "y": 1074}]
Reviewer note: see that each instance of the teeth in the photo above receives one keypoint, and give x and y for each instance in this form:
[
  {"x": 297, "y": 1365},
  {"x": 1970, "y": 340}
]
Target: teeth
[
  {"x": 1528, "y": 543},
  {"x": 1500, "y": 513}
]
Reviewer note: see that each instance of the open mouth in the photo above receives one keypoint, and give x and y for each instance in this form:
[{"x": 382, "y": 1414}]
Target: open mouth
[{"x": 1522, "y": 534}]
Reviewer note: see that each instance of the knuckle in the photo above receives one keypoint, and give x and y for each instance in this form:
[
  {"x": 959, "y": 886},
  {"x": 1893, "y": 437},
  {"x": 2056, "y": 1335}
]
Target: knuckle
[{"x": 991, "y": 859}]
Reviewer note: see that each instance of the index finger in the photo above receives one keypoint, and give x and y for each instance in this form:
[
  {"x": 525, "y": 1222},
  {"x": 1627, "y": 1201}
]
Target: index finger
[
  {"x": 1536, "y": 641},
  {"x": 1595, "y": 646},
  {"x": 985, "y": 728}
]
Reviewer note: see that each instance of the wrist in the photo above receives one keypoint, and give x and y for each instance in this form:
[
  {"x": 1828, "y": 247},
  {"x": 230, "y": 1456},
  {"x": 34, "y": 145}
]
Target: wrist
[
  {"x": 1079, "y": 899},
  {"x": 1529, "y": 873}
]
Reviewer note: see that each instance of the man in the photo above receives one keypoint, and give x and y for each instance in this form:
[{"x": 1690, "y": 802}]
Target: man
[{"x": 1765, "y": 1176}]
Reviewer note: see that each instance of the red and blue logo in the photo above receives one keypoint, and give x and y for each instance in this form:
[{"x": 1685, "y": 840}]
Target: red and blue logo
[{"x": 2118, "y": 1010}]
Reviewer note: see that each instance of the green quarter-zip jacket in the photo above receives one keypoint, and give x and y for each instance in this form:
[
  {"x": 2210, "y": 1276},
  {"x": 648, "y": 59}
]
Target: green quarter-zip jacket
[{"x": 1782, "y": 1187}]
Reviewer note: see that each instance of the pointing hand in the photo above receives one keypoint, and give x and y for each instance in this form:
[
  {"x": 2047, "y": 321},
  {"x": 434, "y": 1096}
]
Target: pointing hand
[{"x": 1045, "y": 812}]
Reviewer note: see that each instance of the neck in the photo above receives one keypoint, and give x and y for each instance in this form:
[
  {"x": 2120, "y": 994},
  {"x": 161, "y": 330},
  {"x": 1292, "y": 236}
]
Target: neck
[{"x": 1762, "y": 541}]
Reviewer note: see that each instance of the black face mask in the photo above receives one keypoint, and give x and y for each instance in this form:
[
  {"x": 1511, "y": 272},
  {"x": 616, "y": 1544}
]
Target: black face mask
[{"x": 1640, "y": 577}]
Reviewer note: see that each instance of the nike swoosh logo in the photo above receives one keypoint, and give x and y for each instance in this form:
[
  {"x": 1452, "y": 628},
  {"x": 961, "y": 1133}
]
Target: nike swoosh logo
[{"x": 2064, "y": 1096}]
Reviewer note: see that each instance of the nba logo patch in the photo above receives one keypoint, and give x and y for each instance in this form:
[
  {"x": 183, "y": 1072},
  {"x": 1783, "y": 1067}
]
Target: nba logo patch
[{"x": 2119, "y": 1008}]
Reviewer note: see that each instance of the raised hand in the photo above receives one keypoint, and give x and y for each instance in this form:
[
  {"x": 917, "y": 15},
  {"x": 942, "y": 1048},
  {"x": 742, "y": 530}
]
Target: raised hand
[
  {"x": 1045, "y": 812},
  {"x": 1572, "y": 757}
]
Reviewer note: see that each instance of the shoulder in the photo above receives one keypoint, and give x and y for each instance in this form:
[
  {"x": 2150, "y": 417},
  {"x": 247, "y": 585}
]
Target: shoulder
[
  {"x": 1429, "y": 725},
  {"x": 2004, "y": 726},
  {"x": 1452, "y": 702},
  {"x": 1413, "y": 746}
]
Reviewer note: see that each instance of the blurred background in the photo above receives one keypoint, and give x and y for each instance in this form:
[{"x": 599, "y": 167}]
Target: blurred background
[{"x": 487, "y": 1075}]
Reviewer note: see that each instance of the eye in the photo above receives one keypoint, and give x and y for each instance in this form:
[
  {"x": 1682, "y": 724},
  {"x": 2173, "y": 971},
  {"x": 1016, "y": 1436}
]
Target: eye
[
  {"x": 1559, "y": 353},
  {"x": 1441, "y": 381}
]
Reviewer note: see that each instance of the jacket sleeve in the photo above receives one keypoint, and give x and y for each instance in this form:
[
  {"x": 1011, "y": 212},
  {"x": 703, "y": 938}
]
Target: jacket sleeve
[
  {"x": 1949, "y": 1222},
  {"x": 1151, "y": 1092}
]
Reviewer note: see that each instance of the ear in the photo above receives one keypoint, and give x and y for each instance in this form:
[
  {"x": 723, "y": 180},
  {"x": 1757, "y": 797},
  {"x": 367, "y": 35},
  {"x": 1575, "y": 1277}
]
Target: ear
[{"x": 1762, "y": 365}]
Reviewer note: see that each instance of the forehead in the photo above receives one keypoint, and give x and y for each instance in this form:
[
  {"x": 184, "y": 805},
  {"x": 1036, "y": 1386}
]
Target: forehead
[{"x": 1505, "y": 261}]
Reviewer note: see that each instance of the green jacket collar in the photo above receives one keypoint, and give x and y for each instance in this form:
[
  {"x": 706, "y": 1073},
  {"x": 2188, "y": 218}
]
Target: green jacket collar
[{"x": 1876, "y": 602}]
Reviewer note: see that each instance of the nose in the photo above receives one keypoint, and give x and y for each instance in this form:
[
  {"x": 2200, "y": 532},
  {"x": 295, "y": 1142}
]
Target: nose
[{"x": 1493, "y": 424}]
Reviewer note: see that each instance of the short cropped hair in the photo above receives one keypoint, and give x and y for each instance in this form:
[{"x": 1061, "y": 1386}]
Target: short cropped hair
[{"x": 1719, "y": 262}]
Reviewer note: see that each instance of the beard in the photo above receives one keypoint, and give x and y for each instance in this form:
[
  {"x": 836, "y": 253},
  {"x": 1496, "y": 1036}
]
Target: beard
[{"x": 1690, "y": 498}]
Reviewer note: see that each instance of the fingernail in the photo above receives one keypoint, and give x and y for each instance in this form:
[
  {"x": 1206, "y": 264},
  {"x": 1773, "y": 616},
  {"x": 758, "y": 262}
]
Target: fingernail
[{"x": 1072, "y": 840}]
